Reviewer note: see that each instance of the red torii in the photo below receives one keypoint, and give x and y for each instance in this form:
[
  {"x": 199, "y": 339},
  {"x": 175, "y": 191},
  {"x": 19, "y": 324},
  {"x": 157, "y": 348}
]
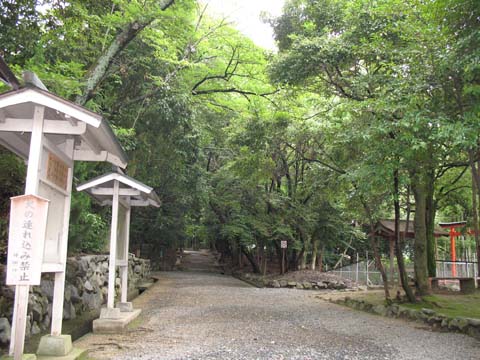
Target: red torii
[{"x": 453, "y": 236}]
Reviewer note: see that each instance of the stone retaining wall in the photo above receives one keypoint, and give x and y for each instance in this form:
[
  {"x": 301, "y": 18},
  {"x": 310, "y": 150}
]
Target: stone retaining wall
[
  {"x": 437, "y": 321},
  {"x": 330, "y": 284},
  {"x": 308, "y": 285},
  {"x": 85, "y": 289}
]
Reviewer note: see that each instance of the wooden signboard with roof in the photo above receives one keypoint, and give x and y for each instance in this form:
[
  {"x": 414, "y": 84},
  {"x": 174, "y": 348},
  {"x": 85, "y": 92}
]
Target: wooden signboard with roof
[
  {"x": 122, "y": 193},
  {"x": 50, "y": 134}
]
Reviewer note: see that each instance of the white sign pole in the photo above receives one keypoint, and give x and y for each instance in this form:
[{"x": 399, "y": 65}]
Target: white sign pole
[
  {"x": 19, "y": 320},
  {"x": 113, "y": 247},
  {"x": 59, "y": 286},
  {"x": 124, "y": 269}
]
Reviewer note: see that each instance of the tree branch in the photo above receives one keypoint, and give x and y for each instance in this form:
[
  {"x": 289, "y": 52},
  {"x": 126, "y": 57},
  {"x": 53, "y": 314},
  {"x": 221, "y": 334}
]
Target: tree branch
[{"x": 105, "y": 60}]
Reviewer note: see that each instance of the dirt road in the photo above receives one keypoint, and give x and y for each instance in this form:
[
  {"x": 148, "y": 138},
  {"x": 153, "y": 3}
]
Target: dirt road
[{"x": 200, "y": 315}]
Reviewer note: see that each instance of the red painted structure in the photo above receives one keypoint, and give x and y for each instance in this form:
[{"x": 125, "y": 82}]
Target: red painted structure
[{"x": 453, "y": 237}]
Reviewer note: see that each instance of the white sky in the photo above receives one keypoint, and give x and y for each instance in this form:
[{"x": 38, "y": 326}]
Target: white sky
[{"x": 246, "y": 17}]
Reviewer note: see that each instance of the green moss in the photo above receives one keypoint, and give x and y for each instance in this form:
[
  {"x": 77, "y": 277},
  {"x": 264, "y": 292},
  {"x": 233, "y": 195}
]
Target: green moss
[{"x": 451, "y": 305}]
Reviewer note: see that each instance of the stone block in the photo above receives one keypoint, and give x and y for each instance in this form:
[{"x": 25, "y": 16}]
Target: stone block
[
  {"x": 108, "y": 313},
  {"x": 125, "y": 306},
  {"x": 24, "y": 357},
  {"x": 307, "y": 285},
  {"x": 75, "y": 354},
  {"x": 112, "y": 326},
  {"x": 55, "y": 345}
]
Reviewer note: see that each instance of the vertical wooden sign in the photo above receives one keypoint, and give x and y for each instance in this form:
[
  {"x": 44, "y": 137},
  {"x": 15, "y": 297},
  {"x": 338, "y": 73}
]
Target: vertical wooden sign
[
  {"x": 26, "y": 238},
  {"x": 57, "y": 171}
]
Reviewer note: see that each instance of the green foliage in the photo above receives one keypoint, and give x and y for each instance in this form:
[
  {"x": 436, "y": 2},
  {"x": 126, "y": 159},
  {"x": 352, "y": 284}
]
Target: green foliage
[
  {"x": 88, "y": 231},
  {"x": 247, "y": 149}
]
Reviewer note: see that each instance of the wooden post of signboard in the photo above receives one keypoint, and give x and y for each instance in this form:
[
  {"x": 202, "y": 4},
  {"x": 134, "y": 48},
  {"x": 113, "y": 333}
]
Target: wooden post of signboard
[
  {"x": 31, "y": 188},
  {"x": 113, "y": 246},
  {"x": 124, "y": 269},
  {"x": 283, "y": 245},
  {"x": 59, "y": 285}
]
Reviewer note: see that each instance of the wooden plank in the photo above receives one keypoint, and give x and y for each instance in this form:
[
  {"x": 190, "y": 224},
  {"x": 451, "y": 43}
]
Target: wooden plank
[
  {"x": 55, "y": 149},
  {"x": 43, "y": 98},
  {"x": 15, "y": 144},
  {"x": 109, "y": 191},
  {"x": 49, "y": 127},
  {"x": 91, "y": 142},
  {"x": 29, "y": 77},
  {"x": 52, "y": 268},
  {"x": 124, "y": 271},
  {"x": 31, "y": 187},
  {"x": 89, "y": 155},
  {"x": 59, "y": 286},
  {"x": 113, "y": 248}
]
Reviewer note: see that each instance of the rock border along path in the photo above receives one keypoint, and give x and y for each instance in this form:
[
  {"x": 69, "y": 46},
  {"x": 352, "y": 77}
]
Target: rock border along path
[{"x": 188, "y": 315}]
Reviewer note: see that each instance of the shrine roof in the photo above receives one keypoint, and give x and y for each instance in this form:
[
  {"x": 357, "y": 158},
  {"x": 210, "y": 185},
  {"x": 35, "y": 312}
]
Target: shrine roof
[
  {"x": 63, "y": 119},
  {"x": 101, "y": 189},
  {"x": 386, "y": 228}
]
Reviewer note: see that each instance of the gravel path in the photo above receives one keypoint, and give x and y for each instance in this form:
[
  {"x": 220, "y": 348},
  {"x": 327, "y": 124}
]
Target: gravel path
[{"x": 194, "y": 315}]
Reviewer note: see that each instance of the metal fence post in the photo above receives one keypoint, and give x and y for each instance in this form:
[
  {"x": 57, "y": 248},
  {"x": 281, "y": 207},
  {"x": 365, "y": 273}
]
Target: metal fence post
[
  {"x": 366, "y": 271},
  {"x": 356, "y": 270}
]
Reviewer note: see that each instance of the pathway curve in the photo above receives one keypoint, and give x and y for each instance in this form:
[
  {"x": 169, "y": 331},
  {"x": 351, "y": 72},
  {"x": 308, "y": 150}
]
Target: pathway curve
[{"x": 188, "y": 315}]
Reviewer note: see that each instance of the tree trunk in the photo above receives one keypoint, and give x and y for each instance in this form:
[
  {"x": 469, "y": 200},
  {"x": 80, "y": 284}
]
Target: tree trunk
[
  {"x": 320, "y": 258},
  {"x": 105, "y": 60},
  {"x": 420, "y": 191},
  {"x": 314, "y": 254},
  {"x": 475, "y": 167},
  {"x": 430, "y": 224},
  {"x": 376, "y": 253},
  {"x": 476, "y": 228},
  {"x": 279, "y": 252},
  {"x": 251, "y": 259},
  {"x": 402, "y": 274},
  {"x": 303, "y": 259},
  {"x": 391, "y": 253}
]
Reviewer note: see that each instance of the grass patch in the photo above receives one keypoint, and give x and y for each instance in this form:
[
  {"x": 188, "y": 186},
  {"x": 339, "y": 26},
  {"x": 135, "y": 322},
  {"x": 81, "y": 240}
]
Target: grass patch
[
  {"x": 451, "y": 305},
  {"x": 370, "y": 297}
]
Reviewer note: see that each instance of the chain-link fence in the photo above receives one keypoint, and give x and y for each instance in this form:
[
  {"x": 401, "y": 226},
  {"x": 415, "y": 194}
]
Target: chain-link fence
[
  {"x": 365, "y": 272},
  {"x": 362, "y": 271},
  {"x": 457, "y": 269}
]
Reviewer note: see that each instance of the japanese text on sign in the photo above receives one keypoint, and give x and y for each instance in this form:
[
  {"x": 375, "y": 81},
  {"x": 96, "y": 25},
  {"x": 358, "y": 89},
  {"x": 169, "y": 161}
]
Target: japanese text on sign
[
  {"x": 283, "y": 244},
  {"x": 26, "y": 238},
  {"x": 57, "y": 171}
]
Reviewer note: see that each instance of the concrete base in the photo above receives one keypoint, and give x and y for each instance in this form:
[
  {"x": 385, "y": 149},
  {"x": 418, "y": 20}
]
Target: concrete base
[
  {"x": 115, "y": 325},
  {"x": 59, "y": 348},
  {"x": 109, "y": 313},
  {"x": 125, "y": 306},
  {"x": 55, "y": 345},
  {"x": 75, "y": 354},
  {"x": 24, "y": 357}
]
